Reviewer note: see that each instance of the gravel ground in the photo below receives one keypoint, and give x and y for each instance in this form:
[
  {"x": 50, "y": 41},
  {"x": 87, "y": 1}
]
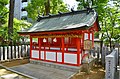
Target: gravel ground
[
  {"x": 95, "y": 73},
  {"x": 4, "y": 71}
]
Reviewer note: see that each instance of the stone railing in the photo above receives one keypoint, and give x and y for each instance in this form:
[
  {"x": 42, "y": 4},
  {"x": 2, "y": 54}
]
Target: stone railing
[{"x": 8, "y": 53}]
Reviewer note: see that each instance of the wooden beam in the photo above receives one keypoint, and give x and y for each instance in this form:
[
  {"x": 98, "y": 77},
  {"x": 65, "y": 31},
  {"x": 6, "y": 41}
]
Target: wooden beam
[{"x": 57, "y": 36}]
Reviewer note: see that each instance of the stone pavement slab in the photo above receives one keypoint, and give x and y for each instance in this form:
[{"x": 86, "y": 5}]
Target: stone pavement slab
[{"x": 43, "y": 72}]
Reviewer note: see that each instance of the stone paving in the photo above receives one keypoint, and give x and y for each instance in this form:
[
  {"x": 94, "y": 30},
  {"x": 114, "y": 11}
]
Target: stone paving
[{"x": 43, "y": 72}]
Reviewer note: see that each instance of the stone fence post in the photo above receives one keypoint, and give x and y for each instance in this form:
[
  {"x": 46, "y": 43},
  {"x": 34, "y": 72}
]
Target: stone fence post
[
  {"x": 111, "y": 65},
  {"x": 103, "y": 56}
]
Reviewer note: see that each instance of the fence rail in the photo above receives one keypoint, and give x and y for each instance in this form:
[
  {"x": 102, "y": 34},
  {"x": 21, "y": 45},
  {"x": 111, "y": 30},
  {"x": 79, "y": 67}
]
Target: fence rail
[{"x": 14, "y": 52}]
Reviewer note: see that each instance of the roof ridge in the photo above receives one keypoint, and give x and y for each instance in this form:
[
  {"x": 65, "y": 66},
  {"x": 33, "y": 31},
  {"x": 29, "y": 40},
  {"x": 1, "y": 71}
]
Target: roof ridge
[{"x": 87, "y": 10}]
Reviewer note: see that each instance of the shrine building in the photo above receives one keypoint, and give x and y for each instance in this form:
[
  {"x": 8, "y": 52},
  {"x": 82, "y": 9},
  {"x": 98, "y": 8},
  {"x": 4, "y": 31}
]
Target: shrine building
[{"x": 64, "y": 38}]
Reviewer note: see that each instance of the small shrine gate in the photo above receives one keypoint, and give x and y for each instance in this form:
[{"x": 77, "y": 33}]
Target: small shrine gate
[{"x": 60, "y": 38}]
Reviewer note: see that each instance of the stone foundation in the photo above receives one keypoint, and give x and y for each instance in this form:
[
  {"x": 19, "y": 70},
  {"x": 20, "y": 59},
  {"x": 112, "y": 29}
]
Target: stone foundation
[{"x": 55, "y": 65}]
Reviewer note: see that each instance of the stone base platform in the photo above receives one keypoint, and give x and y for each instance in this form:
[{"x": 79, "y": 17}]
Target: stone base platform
[
  {"x": 56, "y": 65},
  {"x": 43, "y": 72},
  {"x": 47, "y": 70}
]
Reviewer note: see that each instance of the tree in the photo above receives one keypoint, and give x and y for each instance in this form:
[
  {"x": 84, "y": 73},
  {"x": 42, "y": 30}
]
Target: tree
[
  {"x": 3, "y": 11},
  {"x": 18, "y": 25},
  {"x": 108, "y": 16},
  {"x": 44, "y": 7},
  {"x": 47, "y": 7},
  {"x": 91, "y": 3},
  {"x": 111, "y": 24}
]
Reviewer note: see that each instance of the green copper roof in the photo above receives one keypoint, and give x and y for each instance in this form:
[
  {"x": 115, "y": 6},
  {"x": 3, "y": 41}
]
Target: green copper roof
[{"x": 66, "y": 21}]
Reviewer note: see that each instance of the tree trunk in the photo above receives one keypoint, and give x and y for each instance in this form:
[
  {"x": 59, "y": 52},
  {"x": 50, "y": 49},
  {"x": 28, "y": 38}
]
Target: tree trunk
[
  {"x": 110, "y": 42},
  {"x": 10, "y": 21},
  {"x": 10, "y": 24},
  {"x": 101, "y": 43},
  {"x": 47, "y": 7}
]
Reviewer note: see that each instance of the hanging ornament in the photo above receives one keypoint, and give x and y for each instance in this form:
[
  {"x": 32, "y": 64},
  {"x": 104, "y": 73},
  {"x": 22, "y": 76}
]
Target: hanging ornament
[
  {"x": 44, "y": 40},
  {"x": 54, "y": 40}
]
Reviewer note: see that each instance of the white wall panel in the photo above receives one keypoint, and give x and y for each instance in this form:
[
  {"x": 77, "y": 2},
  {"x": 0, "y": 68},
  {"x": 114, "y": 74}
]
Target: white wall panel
[
  {"x": 72, "y": 49},
  {"x": 42, "y": 47},
  {"x": 54, "y": 48},
  {"x": 59, "y": 57},
  {"x": 85, "y": 36},
  {"x": 90, "y": 36},
  {"x": 70, "y": 58},
  {"x": 51, "y": 56},
  {"x": 35, "y": 54},
  {"x": 46, "y": 47}
]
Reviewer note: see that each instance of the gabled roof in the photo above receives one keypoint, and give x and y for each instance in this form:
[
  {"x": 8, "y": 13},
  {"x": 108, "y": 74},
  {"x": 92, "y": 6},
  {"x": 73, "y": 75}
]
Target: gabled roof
[{"x": 83, "y": 19}]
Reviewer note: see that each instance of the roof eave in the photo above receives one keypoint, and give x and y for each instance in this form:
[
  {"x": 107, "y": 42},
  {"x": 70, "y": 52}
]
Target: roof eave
[{"x": 61, "y": 30}]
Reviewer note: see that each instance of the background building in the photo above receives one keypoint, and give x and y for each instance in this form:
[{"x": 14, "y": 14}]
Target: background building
[{"x": 19, "y": 9}]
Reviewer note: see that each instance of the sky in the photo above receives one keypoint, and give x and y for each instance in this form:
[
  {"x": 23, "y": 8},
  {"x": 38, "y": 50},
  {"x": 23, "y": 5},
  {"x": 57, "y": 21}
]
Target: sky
[{"x": 71, "y": 4}]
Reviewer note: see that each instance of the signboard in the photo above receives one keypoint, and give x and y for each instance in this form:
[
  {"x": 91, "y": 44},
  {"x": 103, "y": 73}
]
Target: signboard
[
  {"x": 87, "y": 44},
  {"x": 110, "y": 66}
]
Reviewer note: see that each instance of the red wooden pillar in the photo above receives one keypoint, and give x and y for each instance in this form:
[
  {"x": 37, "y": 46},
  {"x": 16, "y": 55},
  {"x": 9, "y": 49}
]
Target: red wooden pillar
[
  {"x": 56, "y": 56},
  {"x": 83, "y": 37},
  {"x": 82, "y": 44},
  {"x": 30, "y": 47},
  {"x": 78, "y": 51},
  {"x": 92, "y": 39},
  {"x": 63, "y": 49},
  {"x": 44, "y": 54},
  {"x": 39, "y": 43}
]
